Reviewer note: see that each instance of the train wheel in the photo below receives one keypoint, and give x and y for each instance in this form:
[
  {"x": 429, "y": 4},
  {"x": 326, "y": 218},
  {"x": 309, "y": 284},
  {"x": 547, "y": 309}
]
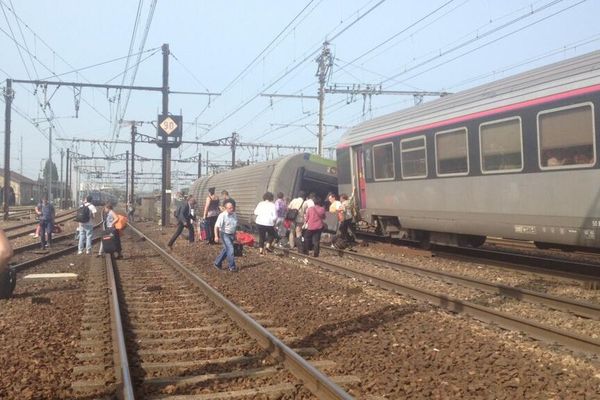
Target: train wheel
[
  {"x": 542, "y": 245},
  {"x": 7, "y": 284}
]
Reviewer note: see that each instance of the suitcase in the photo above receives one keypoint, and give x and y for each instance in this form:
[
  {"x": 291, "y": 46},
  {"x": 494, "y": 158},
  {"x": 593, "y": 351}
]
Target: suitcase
[
  {"x": 238, "y": 249},
  {"x": 108, "y": 242},
  {"x": 203, "y": 230},
  {"x": 244, "y": 238}
]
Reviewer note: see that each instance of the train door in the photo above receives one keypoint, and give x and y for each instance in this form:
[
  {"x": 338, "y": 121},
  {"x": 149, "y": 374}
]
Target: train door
[{"x": 358, "y": 176}]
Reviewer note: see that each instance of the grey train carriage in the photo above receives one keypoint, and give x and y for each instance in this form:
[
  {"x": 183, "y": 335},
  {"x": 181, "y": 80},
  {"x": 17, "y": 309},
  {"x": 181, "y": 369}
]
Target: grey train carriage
[
  {"x": 288, "y": 174},
  {"x": 516, "y": 158}
]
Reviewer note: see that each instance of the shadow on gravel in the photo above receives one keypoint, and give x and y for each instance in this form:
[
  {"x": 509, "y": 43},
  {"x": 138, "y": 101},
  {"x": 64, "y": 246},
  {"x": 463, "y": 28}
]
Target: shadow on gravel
[
  {"x": 250, "y": 266},
  {"x": 329, "y": 334}
]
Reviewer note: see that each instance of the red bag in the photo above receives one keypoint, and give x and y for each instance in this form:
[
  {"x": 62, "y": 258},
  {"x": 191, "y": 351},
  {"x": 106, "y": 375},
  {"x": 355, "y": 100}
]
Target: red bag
[
  {"x": 244, "y": 238},
  {"x": 203, "y": 230}
]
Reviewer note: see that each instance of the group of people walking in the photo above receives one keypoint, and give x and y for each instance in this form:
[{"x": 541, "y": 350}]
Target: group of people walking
[
  {"x": 219, "y": 223},
  {"x": 298, "y": 222},
  {"x": 86, "y": 216}
]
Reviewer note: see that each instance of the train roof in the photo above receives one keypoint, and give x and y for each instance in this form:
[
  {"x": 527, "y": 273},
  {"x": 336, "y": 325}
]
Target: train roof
[
  {"x": 248, "y": 184},
  {"x": 544, "y": 82}
]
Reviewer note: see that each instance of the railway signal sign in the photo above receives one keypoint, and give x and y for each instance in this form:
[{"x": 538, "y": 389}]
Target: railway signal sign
[{"x": 170, "y": 130}]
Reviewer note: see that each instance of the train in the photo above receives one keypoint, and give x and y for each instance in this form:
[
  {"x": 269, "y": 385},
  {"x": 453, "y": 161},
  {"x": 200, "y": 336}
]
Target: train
[
  {"x": 100, "y": 198},
  {"x": 288, "y": 174},
  {"x": 515, "y": 158}
]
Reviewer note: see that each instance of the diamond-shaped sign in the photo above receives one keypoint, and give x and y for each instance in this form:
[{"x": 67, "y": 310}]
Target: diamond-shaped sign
[{"x": 168, "y": 125}]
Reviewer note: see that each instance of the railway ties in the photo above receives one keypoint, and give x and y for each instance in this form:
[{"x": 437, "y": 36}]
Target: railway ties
[
  {"x": 397, "y": 280},
  {"x": 180, "y": 343},
  {"x": 25, "y": 229}
]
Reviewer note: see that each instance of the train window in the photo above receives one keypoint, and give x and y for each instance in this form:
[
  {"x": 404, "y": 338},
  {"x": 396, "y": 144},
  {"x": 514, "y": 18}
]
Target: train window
[
  {"x": 413, "y": 155},
  {"x": 368, "y": 163},
  {"x": 383, "y": 161},
  {"x": 501, "y": 146},
  {"x": 451, "y": 150},
  {"x": 566, "y": 137}
]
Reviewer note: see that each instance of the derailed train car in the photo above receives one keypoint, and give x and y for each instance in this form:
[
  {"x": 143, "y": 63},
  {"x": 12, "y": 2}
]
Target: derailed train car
[
  {"x": 516, "y": 158},
  {"x": 288, "y": 174}
]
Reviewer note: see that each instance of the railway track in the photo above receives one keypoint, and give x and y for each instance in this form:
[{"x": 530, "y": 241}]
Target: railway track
[
  {"x": 178, "y": 336},
  {"x": 534, "y": 329},
  {"x": 585, "y": 272},
  {"x": 27, "y": 228}
]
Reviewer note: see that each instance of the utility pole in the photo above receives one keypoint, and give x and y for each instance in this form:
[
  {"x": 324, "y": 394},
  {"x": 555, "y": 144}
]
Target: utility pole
[
  {"x": 127, "y": 177},
  {"x": 133, "y": 131},
  {"x": 325, "y": 62},
  {"x": 67, "y": 177},
  {"x": 164, "y": 89},
  {"x": 234, "y": 137},
  {"x": 199, "y": 165},
  {"x": 8, "y": 97},
  {"x": 21, "y": 158},
  {"x": 62, "y": 197},
  {"x": 166, "y": 150},
  {"x": 49, "y": 176}
]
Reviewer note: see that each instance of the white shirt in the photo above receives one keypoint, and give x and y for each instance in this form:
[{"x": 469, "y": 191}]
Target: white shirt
[
  {"x": 266, "y": 213},
  {"x": 226, "y": 222}
]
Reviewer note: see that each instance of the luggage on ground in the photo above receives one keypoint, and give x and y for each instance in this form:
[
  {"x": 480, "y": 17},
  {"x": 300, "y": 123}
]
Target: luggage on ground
[
  {"x": 108, "y": 242},
  {"x": 203, "y": 225},
  {"x": 244, "y": 238},
  {"x": 238, "y": 249}
]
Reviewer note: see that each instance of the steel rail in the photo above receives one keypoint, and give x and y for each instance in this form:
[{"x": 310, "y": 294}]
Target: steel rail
[
  {"x": 584, "y": 309},
  {"x": 32, "y": 263},
  {"x": 121, "y": 348},
  {"x": 15, "y": 227},
  {"x": 534, "y": 329},
  {"x": 31, "y": 246},
  {"x": 64, "y": 218},
  {"x": 313, "y": 379},
  {"x": 585, "y": 272}
]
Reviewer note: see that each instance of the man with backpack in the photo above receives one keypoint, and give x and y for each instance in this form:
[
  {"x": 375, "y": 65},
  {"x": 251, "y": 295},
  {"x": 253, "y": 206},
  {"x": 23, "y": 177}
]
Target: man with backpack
[{"x": 85, "y": 216}]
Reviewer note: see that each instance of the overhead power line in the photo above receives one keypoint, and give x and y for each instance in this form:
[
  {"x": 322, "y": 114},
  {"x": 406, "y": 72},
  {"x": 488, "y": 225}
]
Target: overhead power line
[{"x": 480, "y": 36}]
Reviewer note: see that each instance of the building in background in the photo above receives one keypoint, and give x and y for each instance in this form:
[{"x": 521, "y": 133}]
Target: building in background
[{"x": 26, "y": 191}]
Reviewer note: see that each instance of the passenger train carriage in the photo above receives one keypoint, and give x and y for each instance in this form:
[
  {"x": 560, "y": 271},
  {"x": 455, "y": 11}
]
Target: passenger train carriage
[
  {"x": 288, "y": 174},
  {"x": 516, "y": 158}
]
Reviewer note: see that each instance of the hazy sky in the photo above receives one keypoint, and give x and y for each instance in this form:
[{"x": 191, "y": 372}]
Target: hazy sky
[{"x": 404, "y": 45}]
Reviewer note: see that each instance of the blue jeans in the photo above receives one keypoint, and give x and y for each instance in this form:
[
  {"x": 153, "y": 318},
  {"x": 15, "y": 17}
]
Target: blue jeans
[
  {"x": 46, "y": 229},
  {"x": 85, "y": 237},
  {"x": 227, "y": 252}
]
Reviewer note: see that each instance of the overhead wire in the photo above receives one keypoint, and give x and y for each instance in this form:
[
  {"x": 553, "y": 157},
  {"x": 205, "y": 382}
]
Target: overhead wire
[
  {"x": 480, "y": 36},
  {"x": 116, "y": 117},
  {"x": 491, "y": 41},
  {"x": 270, "y": 45},
  {"x": 553, "y": 52},
  {"x": 288, "y": 71},
  {"x": 41, "y": 40}
]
